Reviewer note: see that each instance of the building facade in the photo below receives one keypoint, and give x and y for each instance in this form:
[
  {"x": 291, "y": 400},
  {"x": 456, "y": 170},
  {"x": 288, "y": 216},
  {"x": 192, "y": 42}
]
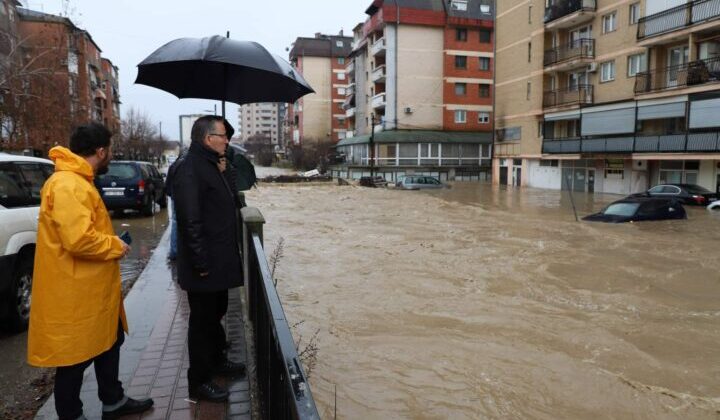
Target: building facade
[
  {"x": 319, "y": 116},
  {"x": 607, "y": 96},
  {"x": 420, "y": 94},
  {"x": 260, "y": 119}
]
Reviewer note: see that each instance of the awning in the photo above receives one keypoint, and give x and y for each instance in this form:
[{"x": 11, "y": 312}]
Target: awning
[
  {"x": 705, "y": 113},
  {"x": 562, "y": 116},
  {"x": 421, "y": 136},
  {"x": 608, "y": 119},
  {"x": 662, "y": 108}
]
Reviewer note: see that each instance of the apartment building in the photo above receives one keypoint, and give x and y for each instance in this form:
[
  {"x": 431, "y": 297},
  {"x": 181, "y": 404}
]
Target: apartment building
[
  {"x": 260, "y": 119},
  {"x": 321, "y": 60},
  {"x": 607, "y": 96},
  {"x": 420, "y": 91},
  {"x": 73, "y": 84}
]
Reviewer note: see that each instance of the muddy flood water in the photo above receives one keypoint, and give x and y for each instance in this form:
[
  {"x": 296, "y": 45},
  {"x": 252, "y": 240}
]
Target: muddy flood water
[{"x": 482, "y": 302}]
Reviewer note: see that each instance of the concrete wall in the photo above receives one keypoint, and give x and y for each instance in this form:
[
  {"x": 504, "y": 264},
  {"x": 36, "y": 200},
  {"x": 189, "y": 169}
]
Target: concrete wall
[
  {"x": 420, "y": 87},
  {"x": 317, "y": 107}
]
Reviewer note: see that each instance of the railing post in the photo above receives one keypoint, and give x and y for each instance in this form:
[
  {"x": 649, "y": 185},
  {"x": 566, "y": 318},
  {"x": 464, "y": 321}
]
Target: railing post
[{"x": 252, "y": 222}]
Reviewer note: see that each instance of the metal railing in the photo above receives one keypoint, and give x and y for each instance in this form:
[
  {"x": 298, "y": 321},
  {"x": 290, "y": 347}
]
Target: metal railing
[
  {"x": 683, "y": 75},
  {"x": 679, "y": 17},
  {"x": 284, "y": 392},
  {"x": 668, "y": 143},
  {"x": 581, "y": 94},
  {"x": 566, "y": 7},
  {"x": 581, "y": 48}
]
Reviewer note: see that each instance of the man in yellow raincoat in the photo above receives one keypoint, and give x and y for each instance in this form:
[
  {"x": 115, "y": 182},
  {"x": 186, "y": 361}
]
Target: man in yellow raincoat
[{"x": 77, "y": 315}]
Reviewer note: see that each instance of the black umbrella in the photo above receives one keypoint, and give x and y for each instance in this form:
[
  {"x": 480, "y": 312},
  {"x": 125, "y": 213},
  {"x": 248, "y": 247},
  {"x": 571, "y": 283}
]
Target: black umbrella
[{"x": 222, "y": 69}]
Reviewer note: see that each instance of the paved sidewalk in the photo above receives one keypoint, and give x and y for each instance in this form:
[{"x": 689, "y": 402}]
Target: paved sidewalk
[{"x": 154, "y": 358}]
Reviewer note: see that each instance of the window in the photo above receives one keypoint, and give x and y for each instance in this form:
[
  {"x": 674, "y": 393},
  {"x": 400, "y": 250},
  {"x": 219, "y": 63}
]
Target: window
[
  {"x": 553, "y": 163},
  {"x": 634, "y": 13},
  {"x": 12, "y": 194},
  {"x": 529, "y": 91},
  {"x": 460, "y": 62},
  {"x": 459, "y": 5},
  {"x": 609, "y": 22},
  {"x": 530, "y": 14},
  {"x": 637, "y": 63},
  {"x": 460, "y": 89},
  {"x": 460, "y": 116},
  {"x": 341, "y": 76},
  {"x": 341, "y": 91},
  {"x": 341, "y": 60},
  {"x": 485, "y": 36},
  {"x": 529, "y": 52},
  {"x": 484, "y": 91},
  {"x": 339, "y": 44},
  {"x": 483, "y": 117},
  {"x": 510, "y": 133},
  {"x": 461, "y": 34},
  {"x": 607, "y": 71},
  {"x": 484, "y": 63}
]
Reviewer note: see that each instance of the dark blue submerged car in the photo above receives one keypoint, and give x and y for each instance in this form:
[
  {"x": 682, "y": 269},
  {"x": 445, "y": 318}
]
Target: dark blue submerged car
[
  {"x": 132, "y": 185},
  {"x": 637, "y": 209}
]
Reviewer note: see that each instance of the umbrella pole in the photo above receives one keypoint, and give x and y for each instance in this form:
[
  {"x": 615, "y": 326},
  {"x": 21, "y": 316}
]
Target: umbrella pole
[{"x": 227, "y": 35}]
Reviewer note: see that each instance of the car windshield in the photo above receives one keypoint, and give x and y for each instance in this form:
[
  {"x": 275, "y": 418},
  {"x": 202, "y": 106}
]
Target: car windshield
[
  {"x": 120, "y": 171},
  {"x": 621, "y": 209},
  {"x": 696, "y": 189}
]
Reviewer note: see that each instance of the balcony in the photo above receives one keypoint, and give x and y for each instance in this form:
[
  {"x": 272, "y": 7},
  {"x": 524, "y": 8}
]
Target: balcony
[
  {"x": 378, "y": 75},
  {"x": 567, "y": 13},
  {"x": 350, "y": 68},
  {"x": 378, "y": 101},
  {"x": 350, "y": 90},
  {"x": 350, "y": 112},
  {"x": 670, "y": 143},
  {"x": 679, "y": 17},
  {"x": 579, "y": 95},
  {"x": 691, "y": 74},
  {"x": 378, "y": 47},
  {"x": 575, "y": 54}
]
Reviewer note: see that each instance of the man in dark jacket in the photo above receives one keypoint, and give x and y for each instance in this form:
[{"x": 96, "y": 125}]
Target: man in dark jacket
[{"x": 208, "y": 262}]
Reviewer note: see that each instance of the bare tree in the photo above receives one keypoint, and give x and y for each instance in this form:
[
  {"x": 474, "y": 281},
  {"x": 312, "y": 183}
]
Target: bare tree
[{"x": 138, "y": 136}]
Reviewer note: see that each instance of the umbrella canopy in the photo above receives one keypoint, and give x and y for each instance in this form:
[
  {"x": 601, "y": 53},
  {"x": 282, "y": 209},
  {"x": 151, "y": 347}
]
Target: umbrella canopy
[{"x": 222, "y": 69}]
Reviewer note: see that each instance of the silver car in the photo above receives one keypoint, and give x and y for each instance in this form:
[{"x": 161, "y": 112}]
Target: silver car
[{"x": 420, "y": 182}]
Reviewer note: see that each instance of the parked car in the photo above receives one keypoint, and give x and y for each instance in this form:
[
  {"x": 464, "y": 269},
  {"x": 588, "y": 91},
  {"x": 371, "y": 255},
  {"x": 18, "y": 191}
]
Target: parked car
[
  {"x": 21, "y": 179},
  {"x": 420, "y": 182},
  {"x": 715, "y": 205},
  {"x": 637, "y": 209},
  {"x": 687, "y": 193},
  {"x": 132, "y": 185},
  {"x": 373, "y": 181}
]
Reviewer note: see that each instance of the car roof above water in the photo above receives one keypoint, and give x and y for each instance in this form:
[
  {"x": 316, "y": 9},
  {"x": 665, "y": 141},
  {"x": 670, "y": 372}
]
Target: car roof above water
[{"x": 7, "y": 157}]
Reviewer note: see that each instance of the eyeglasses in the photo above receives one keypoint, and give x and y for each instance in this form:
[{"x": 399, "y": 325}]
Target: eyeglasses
[{"x": 219, "y": 134}]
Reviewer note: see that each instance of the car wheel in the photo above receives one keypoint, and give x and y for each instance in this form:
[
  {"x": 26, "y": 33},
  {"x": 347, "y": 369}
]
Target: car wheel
[
  {"x": 20, "y": 291},
  {"x": 148, "y": 208}
]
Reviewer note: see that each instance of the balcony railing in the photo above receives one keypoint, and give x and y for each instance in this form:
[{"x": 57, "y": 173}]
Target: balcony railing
[
  {"x": 670, "y": 143},
  {"x": 581, "y": 94},
  {"x": 350, "y": 112},
  {"x": 350, "y": 68},
  {"x": 378, "y": 101},
  {"x": 378, "y": 47},
  {"x": 284, "y": 392},
  {"x": 378, "y": 75},
  {"x": 679, "y": 17},
  {"x": 581, "y": 48},
  {"x": 567, "y": 7},
  {"x": 693, "y": 73}
]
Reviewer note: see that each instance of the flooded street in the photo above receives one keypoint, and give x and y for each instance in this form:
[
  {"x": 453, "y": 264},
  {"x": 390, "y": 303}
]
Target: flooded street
[
  {"x": 20, "y": 383},
  {"x": 481, "y": 302}
]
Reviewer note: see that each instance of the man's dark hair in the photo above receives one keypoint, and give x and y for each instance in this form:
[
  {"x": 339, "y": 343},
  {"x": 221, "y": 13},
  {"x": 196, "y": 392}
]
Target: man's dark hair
[
  {"x": 202, "y": 127},
  {"x": 86, "y": 139}
]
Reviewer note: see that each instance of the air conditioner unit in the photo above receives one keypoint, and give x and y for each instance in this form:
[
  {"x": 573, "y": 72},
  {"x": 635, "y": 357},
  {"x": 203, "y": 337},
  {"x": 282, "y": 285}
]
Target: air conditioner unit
[
  {"x": 408, "y": 110},
  {"x": 592, "y": 67}
]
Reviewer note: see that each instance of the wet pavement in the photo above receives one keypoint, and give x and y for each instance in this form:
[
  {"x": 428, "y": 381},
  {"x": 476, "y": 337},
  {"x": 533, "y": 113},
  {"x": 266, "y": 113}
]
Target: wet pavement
[{"x": 489, "y": 302}]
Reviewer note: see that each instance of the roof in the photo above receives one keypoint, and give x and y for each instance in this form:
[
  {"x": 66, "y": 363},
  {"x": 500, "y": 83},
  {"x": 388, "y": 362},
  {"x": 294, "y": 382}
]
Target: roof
[
  {"x": 7, "y": 157},
  {"x": 35, "y": 16},
  {"x": 475, "y": 10},
  {"x": 322, "y": 46},
  {"x": 474, "y": 7},
  {"x": 422, "y": 136}
]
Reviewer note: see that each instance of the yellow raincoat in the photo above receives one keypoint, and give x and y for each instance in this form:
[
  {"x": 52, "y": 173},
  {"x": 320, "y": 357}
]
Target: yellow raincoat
[{"x": 76, "y": 292}]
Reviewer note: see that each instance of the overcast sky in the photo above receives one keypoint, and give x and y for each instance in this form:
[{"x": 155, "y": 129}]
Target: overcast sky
[{"x": 129, "y": 30}]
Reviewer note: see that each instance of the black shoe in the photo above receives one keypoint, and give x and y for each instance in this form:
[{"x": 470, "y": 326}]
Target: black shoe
[
  {"x": 230, "y": 368},
  {"x": 131, "y": 406},
  {"x": 209, "y": 391}
]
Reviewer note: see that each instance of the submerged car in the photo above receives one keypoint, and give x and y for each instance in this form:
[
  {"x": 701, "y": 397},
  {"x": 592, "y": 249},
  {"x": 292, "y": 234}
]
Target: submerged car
[
  {"x": 420, "y": 182},
  {"x": 132, "y": 185},
  {"x": 638, "y": 209},
  {"x": 687, "y": 193},
  {"x": 715, "y": 205}
]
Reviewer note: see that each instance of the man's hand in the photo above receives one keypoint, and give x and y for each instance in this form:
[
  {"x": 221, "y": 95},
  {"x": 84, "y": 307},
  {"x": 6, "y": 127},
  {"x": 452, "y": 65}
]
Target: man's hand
[
  {"x": 205, "y": 274},
  {"x": 126, "y": 250},
  {"x": 222, "y": 165}
]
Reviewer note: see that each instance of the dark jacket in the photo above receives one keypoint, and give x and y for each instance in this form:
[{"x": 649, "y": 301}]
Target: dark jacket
[{"x": 207, "y": 223}]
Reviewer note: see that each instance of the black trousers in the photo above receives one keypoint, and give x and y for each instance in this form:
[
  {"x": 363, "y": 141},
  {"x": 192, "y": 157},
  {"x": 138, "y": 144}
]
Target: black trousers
[
  {"x": 206, "y": 335},
  {"x": 68, "y": 381}
]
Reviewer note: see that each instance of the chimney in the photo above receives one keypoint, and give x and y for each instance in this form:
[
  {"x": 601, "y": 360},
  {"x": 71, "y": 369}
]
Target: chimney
[
  {"x": 341, "y": 32},
  {"x": 318, "y": 35}
]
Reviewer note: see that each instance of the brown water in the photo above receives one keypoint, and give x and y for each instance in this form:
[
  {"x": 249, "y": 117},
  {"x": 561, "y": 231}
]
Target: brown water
[{"x": 480, "y": 302}]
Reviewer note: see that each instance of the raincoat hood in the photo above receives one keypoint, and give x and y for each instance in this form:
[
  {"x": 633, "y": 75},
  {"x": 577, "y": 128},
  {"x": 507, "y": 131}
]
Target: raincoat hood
[{"x": 65, "y": 160}]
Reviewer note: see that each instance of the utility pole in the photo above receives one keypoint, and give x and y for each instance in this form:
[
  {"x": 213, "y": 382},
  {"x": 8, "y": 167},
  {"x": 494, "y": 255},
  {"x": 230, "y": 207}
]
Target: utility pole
[{"x": 372, "y": 143}]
